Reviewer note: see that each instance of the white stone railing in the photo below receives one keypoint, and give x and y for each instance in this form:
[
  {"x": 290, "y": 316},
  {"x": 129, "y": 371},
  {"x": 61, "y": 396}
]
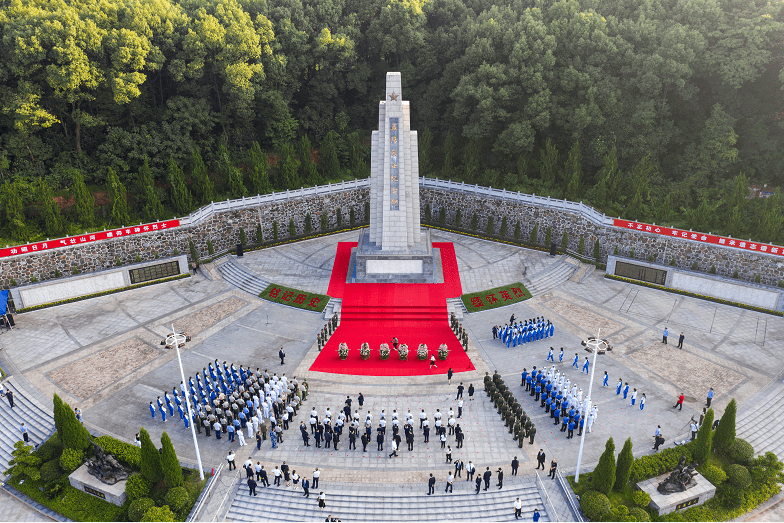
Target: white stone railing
[
  {"x": 580, "y": 208},
  {"x": 213, "y": 208}
]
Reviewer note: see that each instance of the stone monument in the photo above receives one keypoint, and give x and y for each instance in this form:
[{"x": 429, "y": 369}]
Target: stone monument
[
  {"x": 394, "y": 248},
  {"x": 102, "y": 476},
  {"x": 682, "y": 488}
]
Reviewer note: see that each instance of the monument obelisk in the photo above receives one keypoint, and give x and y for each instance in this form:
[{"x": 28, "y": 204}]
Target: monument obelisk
[{"x": 394, "y": 248}]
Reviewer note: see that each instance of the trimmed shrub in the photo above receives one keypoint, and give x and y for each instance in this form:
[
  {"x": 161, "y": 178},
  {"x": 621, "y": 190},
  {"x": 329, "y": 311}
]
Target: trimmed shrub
[
  {"x": 137, "y": 487},
  {"x": 292, "y": 228},
  {"x": 324, "y": 221},
  {"x": 714, "y": 474},
  {"x": 139, "y": 508},
  {"x": 163, "y": 513},
  {"x": 653, "y": 465},
  {"x": 126, "y": 452},
  {"x": 623, "y": 467},
  {"x": 150, "y": 459},
  {"x": 428, "y": 216},
  {"x": 631, "y": 253},
  {"x": 50, "y": 470},
  {"x": 725, "y": 433},
  {"x": 458, "y": 218},
  {"x": 694, "y": 266},
  {"x": 650, "y": 258},
  {"x": 274, "y": 229},
  {"x": 757, "y": 278},
  {"x": 517, "y": 232},
  {"x": 741, "y": 451},
  {"x": 640, "y": 498},
  {"x": 638, "y": 514},
  {"x": 581, "y": 245},
  {"x": 442, "y": 215},
  {"x": 548, "y": 236},
  {"x": 712, "y": 269},
  {"x": 50, "y": 449},
  {"x": 504, "y": 227},
  {"x": 474, "y": 222},
  {"x": 533, "y": 237},
  {"x": 308, "y": 224},
  {"x": 672, "y": 262},
  {"x": 172, "y": 471},
  {"x": 603, "y": 477},
  {"x": 738, "y": 476},
  {"x": 597, "y": 250},
  {"x": 352, "y": 217},
  {"x": 210, "y": 247},
  {"x": 259, "y": 234},
  {"x": 615, "y": 251},
  {"x": 243, "y": 237},
  {"x": 564, "y": 241},
  {"x": 595, "y": 505},
  {"x": 704, "y": 441},
  {"x": 339, "y": 217},
  {"x": 177, "y": 498},
  {"x": 71, "y": 459},
  {"x": 367, "y": 212},
  {"x": 194, "y": 253},
  {"x": 735, "y": 274},
  {"x": 490, "y": 228}
]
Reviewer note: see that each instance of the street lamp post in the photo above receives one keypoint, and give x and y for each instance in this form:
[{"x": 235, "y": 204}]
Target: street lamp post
[
  {"x": 174, "y": 340},
  {"x": 594, "y": 345}
]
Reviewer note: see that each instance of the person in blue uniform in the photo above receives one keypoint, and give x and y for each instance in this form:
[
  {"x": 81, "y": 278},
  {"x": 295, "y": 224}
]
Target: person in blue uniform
[
  {"x": 606, "y": 378},
  {"x": 550, "y": 355},
  {"x": 574, "y": 363}
]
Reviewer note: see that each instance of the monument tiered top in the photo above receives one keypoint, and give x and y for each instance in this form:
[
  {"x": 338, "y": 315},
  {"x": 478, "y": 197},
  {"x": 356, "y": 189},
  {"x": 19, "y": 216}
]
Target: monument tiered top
[{"x": 394, "y": 175}]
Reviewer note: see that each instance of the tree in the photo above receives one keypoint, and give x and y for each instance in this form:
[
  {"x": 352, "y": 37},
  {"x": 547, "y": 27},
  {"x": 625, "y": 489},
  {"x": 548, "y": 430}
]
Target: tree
[
  {"x": 74, "y": 435},
  {"x": 24, "y": 464},
  {"x": 425, "y": 145},
  {"x": 448, "y": 165},
  {"x": 14, "y": 210},
  {"x": 181, "y": 198},
  {"x": 150, "y": 458},
  {"x": 472, "y": 160},
  {"x": 233, "y": 174},
  {"x": 603, "y": 476},
  {"x": 548, "y": 158},
  {"x": 725, "y": 433},
  {"x": 84, "y": 203},
  {"x": 117, "y": 199},
  {"x": 772, "y": 221},
  {"x": 288, "y": 168},
  {"x": 203, "y": 189},
  {"x": 330, "y": 164},
  {"x": 172, "y": 471},
  {"x": 702, "y": 446},
  {"x": 53, "y": 221},
  {"x": 573, "y": 173},
  {"x": 623, "y": 467},
  {"x": 259, "y": 170},
  {"x": 194, "y": 253},
  {"x": 152, "y": 209},
  {"x": 308, "y": 169},
  {"x": 717, "y": 150},
  {"x": 57, "y": 414}
]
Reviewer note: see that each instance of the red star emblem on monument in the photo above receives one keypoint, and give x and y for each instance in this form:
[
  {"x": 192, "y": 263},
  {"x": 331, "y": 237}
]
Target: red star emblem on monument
[{"x": 393, "y": 96}]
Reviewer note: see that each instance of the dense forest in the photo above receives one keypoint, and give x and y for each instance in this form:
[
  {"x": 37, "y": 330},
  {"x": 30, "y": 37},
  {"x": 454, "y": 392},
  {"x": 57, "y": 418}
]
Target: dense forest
[{"x": 118, "y": 111}]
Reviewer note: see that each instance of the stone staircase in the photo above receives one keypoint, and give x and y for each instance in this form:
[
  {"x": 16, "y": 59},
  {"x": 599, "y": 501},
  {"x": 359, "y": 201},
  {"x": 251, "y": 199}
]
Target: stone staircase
[
  {"x": 236, "y": 275},
  {"x": 455, "y": 305},
  {"x": 760, "y": 424},
  {"x": 332, "y": 307},
  {"x": 583, "y": 272},
  {"x": 386, "y": 502},
  {"x": 39, "y": 423},
  {"x": 551, "y": 277}
]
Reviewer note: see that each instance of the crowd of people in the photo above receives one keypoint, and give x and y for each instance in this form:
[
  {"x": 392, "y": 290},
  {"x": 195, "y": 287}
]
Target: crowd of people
[
  {"x": 233, "y": 401},
  {"x": 562, "y": 399},
  {"x": 517, "y": 333}
]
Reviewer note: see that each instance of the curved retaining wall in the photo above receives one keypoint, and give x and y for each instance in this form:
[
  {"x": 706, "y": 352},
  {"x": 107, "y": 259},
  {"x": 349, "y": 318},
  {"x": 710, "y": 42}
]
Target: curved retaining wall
[{"x": 221, "y": 222}]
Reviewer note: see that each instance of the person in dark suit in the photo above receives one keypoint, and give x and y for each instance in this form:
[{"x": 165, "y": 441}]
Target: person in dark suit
[
  {"x": 380, "y": 441},
  {"x": 10, "y": 397},
  {"x": 365, "y": 440},
  {"x": 263, "y": 475},
  {"x": 281, "y": 355},
  {"x": 553, "y": 468},
  {"x": 486, "y": 477},
  {"x": 431, "y": 485},
  {"x": 252, "y": 485},
  {"x": 515, "y": 464},
  {"x": 306, "y": 488},
  {"x": 500, "y": 478},
  {"x": 540, "y": 458},
  {"x": 478, "y": 483}
]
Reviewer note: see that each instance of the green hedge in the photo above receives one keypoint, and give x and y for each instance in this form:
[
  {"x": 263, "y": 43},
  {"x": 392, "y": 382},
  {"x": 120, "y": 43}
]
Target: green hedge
[
  {"x": 103, "y": 293},
  {"x": 646, "y": 467},
  {"x": 497, "y": 297},
  {"x": 741, "y": 451},
  {"x": 130, "y": 454},
  {"x": 694, "y": 295},
  {"x": 595, "y": 504},
  {"x": 309, "y": 301},
  {"x": 70, "y": 502},
  {"x": 738, "y": 476},
  {"x": 139, "y": 508}
]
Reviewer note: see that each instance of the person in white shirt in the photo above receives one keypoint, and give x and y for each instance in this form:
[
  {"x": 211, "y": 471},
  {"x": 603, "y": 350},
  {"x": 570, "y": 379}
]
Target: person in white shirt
[
  {"x": 230, "y": 459},
  {"x": 518, "y": 507}
]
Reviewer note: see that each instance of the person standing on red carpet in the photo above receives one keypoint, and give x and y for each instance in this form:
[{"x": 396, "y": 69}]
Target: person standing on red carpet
[{"x": 433, "y": 362}]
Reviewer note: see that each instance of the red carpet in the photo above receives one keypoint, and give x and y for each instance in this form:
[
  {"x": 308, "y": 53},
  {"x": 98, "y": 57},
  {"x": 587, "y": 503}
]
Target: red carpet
[{"x": 375, "y": 312}]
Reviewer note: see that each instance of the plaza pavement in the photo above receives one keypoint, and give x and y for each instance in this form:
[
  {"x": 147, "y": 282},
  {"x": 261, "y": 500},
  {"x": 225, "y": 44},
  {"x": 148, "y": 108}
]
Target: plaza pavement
[{"x": 104, "y": 356}]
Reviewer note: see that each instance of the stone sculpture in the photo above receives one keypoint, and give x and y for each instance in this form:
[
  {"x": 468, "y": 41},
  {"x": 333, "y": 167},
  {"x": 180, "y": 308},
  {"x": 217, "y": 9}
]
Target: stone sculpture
[
  {"x": 105, "y": 467},
  {"x": 680, "y": 479}
]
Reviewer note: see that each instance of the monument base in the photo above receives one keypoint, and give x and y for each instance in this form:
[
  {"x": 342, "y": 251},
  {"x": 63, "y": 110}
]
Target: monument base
[
  {"x": 82, "y": 479},
  {"x": 369, "y": 264},
  {"x": 666, "y": 503}
]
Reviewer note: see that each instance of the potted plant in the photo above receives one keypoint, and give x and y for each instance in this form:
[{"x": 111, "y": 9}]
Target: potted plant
[
  {"x": 402, "y": 351},
  {"x": 364, "y": 351},
  {"x": 443, "y": 352},
  {"x": 343, "y": 351},
  {"x": 422, "y": 352},
  {"x": 383, "y": 351}
]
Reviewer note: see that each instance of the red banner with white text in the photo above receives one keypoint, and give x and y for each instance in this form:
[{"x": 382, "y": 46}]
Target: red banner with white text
[
  {"x": 701, "y": 237},
  {"x": 88, "y": 238}
]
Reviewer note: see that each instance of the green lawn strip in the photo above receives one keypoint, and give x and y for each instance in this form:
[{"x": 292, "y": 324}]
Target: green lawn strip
[
  {"x": 309, "y": 301},
  {"x": 71, "y": 502},
  {"x": 693, "y": 295},
  {"x": 497, "y": 297}
]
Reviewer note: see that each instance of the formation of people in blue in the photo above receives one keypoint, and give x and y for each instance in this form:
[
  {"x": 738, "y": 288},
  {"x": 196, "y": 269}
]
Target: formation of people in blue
[{"x": 517, "y": 333}]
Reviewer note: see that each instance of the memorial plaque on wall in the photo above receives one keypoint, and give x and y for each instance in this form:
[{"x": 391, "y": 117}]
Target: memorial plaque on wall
[
  {"x": 689, "y": 503},
  {"x": 640, "y": 272}
]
